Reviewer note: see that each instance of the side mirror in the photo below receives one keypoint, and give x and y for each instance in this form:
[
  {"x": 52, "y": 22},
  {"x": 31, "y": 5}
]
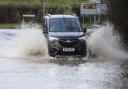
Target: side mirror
[{"x": 84, "y": 30}]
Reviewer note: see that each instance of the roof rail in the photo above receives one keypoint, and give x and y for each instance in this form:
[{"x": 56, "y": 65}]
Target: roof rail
[
  {"x": 28, "y": 15},
  {"x": 73, "y": 14},
  {"x": 48, "y": 14}
]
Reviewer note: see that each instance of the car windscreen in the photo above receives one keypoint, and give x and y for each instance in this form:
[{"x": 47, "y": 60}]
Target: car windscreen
[{"x": 64, "y": 25}]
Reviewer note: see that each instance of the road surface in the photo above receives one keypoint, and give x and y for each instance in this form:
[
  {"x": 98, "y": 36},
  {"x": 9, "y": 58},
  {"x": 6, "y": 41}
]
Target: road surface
[{"x": 39, "y": 72}]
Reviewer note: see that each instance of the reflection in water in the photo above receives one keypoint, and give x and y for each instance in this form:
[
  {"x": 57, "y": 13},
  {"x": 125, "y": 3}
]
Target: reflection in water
[
  {"x": 123, "y": 76},
  {"x": 68, "y": 61}
]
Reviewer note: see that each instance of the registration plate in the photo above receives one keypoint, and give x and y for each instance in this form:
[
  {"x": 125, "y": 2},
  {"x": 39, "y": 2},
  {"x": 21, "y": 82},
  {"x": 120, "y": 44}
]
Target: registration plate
[{"x": 68, "y": 49}]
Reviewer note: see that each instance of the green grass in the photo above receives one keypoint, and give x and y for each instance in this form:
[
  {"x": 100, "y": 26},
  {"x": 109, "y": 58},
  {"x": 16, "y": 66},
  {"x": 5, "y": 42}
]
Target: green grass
[
  {"x": 9, "y": 25},
  {"x": 33, "y": 2},
  {"x": 15, "y": 2},
  {"x": 87, "y": 25},
  {"x": 65, "y": 1}
]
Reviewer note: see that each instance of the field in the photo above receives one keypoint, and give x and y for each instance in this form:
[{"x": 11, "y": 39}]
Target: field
[
  {"x": 33, "y": 2},
  {"x": 9, "y": 25}
]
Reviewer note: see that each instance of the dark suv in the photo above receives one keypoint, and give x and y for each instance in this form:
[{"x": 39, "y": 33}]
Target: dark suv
[{"x": 64, "y": 36}]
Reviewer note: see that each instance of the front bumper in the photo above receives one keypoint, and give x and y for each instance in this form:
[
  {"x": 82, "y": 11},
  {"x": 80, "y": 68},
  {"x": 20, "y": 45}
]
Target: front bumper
[{"x": 57, "y": 49}]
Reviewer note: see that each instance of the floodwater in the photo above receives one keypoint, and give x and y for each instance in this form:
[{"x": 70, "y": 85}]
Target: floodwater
[{"x": 20, "y": 69}]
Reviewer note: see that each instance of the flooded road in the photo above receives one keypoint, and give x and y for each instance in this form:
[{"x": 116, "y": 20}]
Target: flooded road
[{"x": 42, "y": 72}]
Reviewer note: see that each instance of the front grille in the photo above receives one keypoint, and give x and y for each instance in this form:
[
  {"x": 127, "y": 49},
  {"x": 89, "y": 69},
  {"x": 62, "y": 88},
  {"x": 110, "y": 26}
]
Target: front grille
[{"x": 68, "y": 42}]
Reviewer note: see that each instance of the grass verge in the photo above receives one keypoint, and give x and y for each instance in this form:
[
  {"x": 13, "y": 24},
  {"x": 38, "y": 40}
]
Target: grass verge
[
  {"x": 9, "y": 25},
  {"x": 34, "y": 2},
  {"x": 87, "y": 25}
]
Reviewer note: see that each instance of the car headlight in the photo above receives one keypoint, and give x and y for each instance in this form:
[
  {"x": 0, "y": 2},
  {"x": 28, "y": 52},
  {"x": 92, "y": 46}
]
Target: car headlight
[
  {"x": 53, "y": 39},
  {"x": 82, "y": 38}
]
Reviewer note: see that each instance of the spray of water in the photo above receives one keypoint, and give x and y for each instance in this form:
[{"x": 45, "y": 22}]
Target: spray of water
[
  {"x": 105, "y": 42},
  {"x": 28, "y": 42}
]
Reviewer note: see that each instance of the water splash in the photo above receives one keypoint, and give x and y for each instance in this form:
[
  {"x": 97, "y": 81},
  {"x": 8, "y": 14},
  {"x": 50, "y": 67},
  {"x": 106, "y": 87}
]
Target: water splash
[
  {"x": 29, "y": 41},
  {"x": 105, "y": 42}
]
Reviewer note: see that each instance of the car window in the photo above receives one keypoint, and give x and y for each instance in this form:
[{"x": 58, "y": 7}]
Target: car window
[{"x": 64, "y": 25}]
